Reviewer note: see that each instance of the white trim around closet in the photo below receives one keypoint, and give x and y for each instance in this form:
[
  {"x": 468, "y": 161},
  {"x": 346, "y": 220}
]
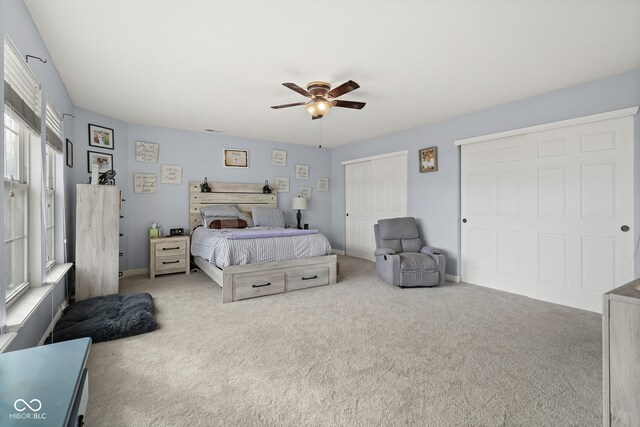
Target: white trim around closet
[
  {"x": 379, "y": 156},
  {"x": 553, "y": 125}
]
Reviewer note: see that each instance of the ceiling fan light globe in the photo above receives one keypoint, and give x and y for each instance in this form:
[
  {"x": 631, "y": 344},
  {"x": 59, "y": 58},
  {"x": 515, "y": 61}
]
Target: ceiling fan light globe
[{"x": 319, "y": 107}]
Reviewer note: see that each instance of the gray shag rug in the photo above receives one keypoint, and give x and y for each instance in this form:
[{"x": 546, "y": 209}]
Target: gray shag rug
[{"x": 106, "y": 318}]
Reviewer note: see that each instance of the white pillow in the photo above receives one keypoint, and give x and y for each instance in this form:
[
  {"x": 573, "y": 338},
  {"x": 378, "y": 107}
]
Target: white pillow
[
  {"x": 247, "y": 217},
  {"x": 267, "y": 216}
]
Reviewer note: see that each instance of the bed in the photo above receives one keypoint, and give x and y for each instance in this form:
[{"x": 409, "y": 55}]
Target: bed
[{"x": 253, "y": 279}]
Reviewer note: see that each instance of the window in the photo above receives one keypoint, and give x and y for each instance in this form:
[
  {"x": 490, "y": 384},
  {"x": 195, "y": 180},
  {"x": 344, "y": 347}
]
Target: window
[
  {"x": 50, "y": 198},
  {"x": 21, "y": 129},
  {"x": 16, "y": 205},
  {"x": 54, "y": 145}
]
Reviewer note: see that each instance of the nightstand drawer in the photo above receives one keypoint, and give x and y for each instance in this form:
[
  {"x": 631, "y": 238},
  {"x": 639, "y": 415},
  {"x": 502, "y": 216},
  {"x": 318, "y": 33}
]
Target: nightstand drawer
[
  {"x": 171, "y": 248},
  {"x": 302, "y": 279},
  {"x": 257, "y": 284},
  {"x": 164, "y": 264}
]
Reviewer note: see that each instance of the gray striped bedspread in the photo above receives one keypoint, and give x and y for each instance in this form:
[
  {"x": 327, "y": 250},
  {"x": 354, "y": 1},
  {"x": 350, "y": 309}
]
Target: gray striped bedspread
[{"x": 218, "y": 249}]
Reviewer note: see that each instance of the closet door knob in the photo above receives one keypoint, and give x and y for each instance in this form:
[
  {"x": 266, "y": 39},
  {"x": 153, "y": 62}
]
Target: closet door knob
[
  {"x": 464, "y": 220},
  {"x": 624, "y": 228}
]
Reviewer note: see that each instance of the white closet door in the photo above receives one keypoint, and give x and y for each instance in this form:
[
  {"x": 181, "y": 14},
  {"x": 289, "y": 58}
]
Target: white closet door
[
  {"x": 584, "y": 196},
  {"x": 375, "y": 189},
  {"x": 494, "y": 209},
  {"x": 544, "y": 212}
]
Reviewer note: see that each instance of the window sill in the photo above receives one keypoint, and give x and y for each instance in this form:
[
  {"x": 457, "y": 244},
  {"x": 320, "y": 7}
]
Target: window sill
[
  {"x": 5, "y": 340},
  {"x": 21, "y": 310}
]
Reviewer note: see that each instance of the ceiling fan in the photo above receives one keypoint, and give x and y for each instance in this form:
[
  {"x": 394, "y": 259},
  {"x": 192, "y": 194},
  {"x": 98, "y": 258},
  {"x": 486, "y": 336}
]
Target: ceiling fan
[{"x": 323, "y": 98}]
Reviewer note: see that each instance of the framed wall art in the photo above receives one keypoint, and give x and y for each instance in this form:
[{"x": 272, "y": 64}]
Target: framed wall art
[
  {"x": 235, "y": 158},
  {"x": 147, "y": 152},
  {"x": 302, "y": 171},
  {"x": 428, "y": 158},
  {"x": 103, "y": 160},
  {"x": 322, "y": 184},
  {"x": 100, "y": 137},
  {"x": 171, "y": 174},
  {"x": 282, "y": 184},
  {"x": 278, "y": 157},
  {"x": 69, "y": 153},
  {"x": 144, "y": 183}
]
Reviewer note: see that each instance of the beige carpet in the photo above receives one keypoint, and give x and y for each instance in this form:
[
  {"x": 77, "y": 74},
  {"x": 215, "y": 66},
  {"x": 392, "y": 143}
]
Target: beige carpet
[{"x": 356, "y": 353}]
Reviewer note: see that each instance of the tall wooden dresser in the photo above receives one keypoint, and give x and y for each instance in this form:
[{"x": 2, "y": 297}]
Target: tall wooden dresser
[{"x": 97, "y": 240}]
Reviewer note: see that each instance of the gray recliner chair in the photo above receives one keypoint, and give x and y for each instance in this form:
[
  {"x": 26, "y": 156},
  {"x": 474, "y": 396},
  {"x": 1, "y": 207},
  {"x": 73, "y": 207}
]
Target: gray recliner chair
[{"x": 402, "y": 259}]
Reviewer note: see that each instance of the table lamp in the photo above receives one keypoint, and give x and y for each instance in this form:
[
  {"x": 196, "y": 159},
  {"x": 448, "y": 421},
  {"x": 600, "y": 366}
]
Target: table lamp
[{"x": 299, "y": 203}]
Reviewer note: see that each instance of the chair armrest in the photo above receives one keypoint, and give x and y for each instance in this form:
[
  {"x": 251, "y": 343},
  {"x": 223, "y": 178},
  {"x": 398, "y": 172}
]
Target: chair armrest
[
  {"x": 384, "y": 251},
  {"x": 430, "y": 251}
]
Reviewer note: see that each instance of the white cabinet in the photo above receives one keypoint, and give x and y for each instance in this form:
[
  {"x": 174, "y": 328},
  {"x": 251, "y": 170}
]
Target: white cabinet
[{"x": 97, "y": 240}]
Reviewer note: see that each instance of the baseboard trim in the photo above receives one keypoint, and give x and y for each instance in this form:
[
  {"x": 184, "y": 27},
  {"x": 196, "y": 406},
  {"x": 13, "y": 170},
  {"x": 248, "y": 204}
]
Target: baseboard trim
[
  {"x": 337, "y": 252},
  {"x": 53, "y": 322},
  {"x": 136, "y": 272},
  {"x": 452, "y": 278}
]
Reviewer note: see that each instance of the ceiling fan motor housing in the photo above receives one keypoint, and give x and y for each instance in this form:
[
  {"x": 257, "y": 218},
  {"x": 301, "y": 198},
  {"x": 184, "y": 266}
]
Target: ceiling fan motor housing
[{"x": 318, "y": 88}]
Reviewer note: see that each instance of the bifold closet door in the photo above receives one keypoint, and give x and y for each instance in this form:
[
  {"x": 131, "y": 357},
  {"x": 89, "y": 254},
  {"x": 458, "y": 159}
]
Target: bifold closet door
[{"x": 546, "y": 212}]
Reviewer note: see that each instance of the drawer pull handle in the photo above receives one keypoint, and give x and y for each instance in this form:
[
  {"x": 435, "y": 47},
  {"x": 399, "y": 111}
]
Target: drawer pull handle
[
  {"x": 260, "y": 286},
  {"x": 309, "y": 278},
  {"x": 170, "y": 262},
  {"x": 170, "y": 249}
]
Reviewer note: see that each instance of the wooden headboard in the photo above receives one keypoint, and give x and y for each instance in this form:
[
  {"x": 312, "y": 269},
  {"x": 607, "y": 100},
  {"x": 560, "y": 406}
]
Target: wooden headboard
[{"x": 244, "y": 196}]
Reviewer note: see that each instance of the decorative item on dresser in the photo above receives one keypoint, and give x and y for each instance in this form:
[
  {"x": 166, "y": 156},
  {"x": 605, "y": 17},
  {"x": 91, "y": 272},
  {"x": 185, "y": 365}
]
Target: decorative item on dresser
[
  {"x": 621, "y": 355},
  {"x": 266, "y": 278},
  {"x": 97, "y": 240},
  {"x": 168, "y": 255}
]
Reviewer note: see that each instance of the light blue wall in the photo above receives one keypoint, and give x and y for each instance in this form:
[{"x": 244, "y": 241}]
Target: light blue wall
[
  {"x": 200, "y": 155},
  {"x": 434, "y": 198},
  {"x": 16, "y": 21}
]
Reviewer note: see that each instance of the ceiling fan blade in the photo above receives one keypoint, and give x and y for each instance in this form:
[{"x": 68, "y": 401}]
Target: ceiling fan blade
[
  {"x": 275, "y": 107},
  {"x": 349, "y": 104},
  {"x": 342, "y": 89},
  {"x": 298, "y": 89},
  {"x": 316, "y": 117}
]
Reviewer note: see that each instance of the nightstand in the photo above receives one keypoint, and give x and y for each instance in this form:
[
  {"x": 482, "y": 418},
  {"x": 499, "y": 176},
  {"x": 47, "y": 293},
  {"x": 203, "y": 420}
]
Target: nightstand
[{"x": 168, "y": 255}]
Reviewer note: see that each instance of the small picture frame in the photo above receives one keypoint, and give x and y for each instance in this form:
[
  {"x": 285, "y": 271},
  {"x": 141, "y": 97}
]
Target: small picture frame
[
  {"x": 282, "y": 184},
  {"x": 144, "y": 183},
  {"x": 171, "y": 174},
  {"x": 100, "y": 137},
  {"x": 302, "y": 172},
  {"x": 306, "y": 193},
  {"x": 69, "y": 153},
  {"x": 147, "y": 152},
  {"x": 103, "y": 160},
  {"x": 236, "y": 158},
  {"x": 278, "y": 157},
  {"x": 428, "y": 158},
  {"x": 322, "y": 185}
]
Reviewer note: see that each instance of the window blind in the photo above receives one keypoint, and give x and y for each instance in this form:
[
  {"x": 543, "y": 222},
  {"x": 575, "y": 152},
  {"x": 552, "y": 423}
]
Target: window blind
[
  {"x": 21, "y": 88},
  {"x": 54, "y": 128}
]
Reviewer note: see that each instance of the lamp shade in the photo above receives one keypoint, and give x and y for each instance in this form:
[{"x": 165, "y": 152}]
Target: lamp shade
[{"x": 299, "y": 203}]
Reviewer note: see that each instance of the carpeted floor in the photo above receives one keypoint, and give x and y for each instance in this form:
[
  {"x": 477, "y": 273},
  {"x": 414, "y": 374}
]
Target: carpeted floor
[{"x": 358, "y": 353}]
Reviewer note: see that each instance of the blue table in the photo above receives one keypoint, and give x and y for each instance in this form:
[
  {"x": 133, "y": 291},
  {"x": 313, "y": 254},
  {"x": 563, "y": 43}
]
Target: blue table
[{"x": 45, "y": 386}]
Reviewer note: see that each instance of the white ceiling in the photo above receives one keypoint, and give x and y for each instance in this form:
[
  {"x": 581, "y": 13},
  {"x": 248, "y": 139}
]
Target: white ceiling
[{"x": 196, "y": 64}]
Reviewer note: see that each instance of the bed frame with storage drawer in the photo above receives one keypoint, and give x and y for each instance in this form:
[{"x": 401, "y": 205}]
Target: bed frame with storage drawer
[{"x": 240, "y": 282}]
